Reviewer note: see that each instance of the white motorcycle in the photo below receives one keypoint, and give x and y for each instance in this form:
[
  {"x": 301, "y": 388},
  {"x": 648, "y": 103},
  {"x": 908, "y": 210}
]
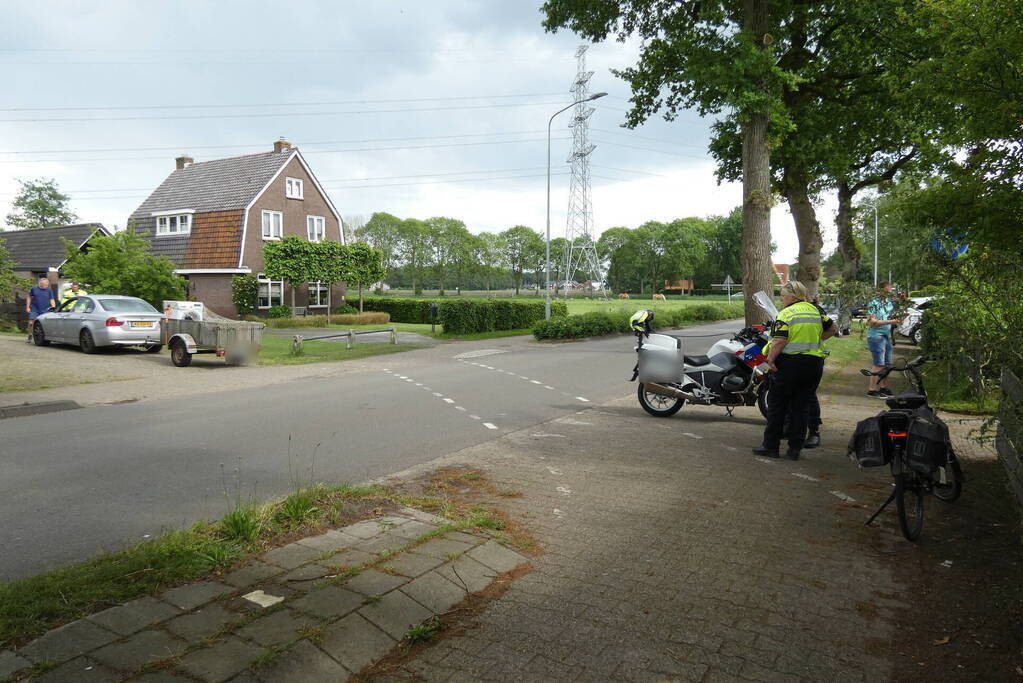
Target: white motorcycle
[{"x": 733, "y": 373}]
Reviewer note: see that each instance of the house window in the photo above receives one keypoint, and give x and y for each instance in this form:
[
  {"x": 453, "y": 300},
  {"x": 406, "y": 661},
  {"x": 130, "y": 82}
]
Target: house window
[
  {"x": 314, "y": 228},
  {"x": 273, "y": 225},
  {"x": 317, "y": 295},
  {"x": 293, "y": 188},
  {"x": 271, "y": 292},
  {"x": 174, "y": 225}
]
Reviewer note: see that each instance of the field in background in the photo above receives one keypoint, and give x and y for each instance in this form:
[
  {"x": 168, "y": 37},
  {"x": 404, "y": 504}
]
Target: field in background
[{"x": 575, "y": 295}]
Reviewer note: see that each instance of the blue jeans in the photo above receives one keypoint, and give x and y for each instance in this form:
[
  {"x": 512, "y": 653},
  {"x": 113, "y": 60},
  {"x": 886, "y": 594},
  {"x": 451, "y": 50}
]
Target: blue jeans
[{"x": 880, "y": 349}]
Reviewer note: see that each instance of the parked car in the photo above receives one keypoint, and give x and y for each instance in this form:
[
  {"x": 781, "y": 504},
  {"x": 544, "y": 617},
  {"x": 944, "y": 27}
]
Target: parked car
[
  {"x": 912, "y": 321},
  {"x": 101, "y": 320}
]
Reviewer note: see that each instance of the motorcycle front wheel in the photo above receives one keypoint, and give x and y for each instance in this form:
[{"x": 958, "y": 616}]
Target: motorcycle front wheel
[
  {"x": 763, "y": 397},
  {"x": 658, "y": 405}
]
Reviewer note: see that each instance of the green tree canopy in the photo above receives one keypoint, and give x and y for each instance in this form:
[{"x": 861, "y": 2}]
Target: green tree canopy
[
  {"x": 39, "y": 204},
  {"x": 9, "y": 282},
  {"x": 122, "y": 264},
  {"x": 292, "y": 259},
  {"x": 523, "y": 247},
  {"x": 366, "y": 267}
]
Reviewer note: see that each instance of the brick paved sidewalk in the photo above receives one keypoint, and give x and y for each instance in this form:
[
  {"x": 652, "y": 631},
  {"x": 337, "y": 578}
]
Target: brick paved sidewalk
[
  {"x": 672, "y": 554},
  {"x": 286, "y": 617}
]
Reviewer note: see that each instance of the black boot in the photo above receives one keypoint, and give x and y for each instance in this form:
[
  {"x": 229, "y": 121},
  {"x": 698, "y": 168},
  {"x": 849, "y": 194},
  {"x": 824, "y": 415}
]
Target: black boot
[
  {"x": 813, "y": 440},
  {"x": 792, "y": 453},
  {"x": 765, "y": 452}
]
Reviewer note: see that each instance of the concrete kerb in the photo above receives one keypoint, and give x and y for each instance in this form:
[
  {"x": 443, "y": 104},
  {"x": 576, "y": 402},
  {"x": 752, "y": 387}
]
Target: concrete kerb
[{"x": 209, "y": 631}]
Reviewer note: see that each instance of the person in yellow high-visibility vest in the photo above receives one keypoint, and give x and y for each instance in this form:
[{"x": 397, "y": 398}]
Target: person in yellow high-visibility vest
[
  {"x": 71, "y": 292},
  {"x": 796, "y": 354}
]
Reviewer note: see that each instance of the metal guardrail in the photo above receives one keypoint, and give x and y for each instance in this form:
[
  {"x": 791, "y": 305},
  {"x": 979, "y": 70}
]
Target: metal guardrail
[{"x": 349, "y": 335}]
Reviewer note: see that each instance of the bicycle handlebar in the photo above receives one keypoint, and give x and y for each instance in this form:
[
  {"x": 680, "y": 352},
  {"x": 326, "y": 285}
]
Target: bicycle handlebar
[{"x": 906, "y": 367}]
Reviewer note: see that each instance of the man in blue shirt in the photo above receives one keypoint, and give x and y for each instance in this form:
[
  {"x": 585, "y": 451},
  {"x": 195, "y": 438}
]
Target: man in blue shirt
[
  {"x": 40, "y": 299},
  {"x": 879, "y": 337}
]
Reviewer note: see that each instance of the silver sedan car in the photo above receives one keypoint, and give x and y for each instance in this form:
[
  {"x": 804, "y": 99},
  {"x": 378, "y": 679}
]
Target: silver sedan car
[{"x": 101, "y": 320}]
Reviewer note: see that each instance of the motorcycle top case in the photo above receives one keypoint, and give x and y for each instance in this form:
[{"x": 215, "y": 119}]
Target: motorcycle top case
[
  {"x": 869, "y": 443},
  {"x": 926, "y": 442}
]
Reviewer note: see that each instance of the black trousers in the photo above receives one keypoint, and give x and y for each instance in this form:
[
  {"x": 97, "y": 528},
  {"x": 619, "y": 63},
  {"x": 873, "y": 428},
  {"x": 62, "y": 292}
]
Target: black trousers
[
  {"x": 793, "y": 388},
  {"x": 813, "y": 414}
]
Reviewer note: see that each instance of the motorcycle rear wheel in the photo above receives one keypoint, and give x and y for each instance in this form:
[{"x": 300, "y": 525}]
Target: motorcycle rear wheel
[{"x": 657, "y": 405}]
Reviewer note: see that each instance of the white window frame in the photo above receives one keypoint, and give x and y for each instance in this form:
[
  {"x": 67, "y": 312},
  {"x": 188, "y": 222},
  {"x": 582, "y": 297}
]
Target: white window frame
[
  {"x": 264, "y": 280},
  {"x": 316, "y": 228},
  {"x": 182, "y": 225},
  {"x": 294, "y": 188},
  {"x": 268, "y": 214},
  {"x": 323, "y": 294}
]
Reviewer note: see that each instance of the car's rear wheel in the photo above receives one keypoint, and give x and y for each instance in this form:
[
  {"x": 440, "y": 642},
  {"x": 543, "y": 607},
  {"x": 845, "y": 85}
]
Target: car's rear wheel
[
  {"x": 87, "y": 342},
  {"x": 39, "y": 336}
]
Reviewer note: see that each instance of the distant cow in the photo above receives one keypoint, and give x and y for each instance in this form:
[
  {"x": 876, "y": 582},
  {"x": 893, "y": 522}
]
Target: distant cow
[
  {"x": 623, "y": 295},
  {"x": 659, "y": 297}
]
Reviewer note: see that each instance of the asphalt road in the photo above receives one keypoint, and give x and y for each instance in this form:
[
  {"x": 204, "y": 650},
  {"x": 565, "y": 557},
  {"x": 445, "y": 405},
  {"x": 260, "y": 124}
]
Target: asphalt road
[{"x": 79, "y": 482}]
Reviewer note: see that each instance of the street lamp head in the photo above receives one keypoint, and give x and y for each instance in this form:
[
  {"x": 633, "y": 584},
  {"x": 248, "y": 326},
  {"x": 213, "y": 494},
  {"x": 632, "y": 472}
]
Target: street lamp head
[{"x": 595, "y": 96}]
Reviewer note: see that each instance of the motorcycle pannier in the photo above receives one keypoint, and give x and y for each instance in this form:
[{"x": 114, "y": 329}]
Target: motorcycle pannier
[
  {"x": 657, "y": 364},
  {"x": 926, "y": 442},
  {"x": 869, "y": 444}
]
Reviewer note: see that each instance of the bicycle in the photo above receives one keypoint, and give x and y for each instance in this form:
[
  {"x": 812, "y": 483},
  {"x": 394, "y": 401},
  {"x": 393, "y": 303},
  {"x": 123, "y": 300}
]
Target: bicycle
[{"x": 914, "y": 441}]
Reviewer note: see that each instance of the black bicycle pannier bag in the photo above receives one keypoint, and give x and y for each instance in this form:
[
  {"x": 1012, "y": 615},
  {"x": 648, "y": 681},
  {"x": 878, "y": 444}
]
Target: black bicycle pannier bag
[
  {"x": 869, "y": 444},
  {"x": 926, "y": 442}
]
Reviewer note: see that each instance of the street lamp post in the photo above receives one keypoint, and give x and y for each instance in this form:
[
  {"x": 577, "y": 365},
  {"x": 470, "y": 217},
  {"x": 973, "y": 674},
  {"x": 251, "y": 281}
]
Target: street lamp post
[
  {"x": 547, "y": 260},
  {"x": 874, "y": 207}
]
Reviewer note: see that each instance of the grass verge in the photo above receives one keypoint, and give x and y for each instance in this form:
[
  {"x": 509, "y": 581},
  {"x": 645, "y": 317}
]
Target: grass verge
[
  {"x": 277, "y": 351},
  {"x": 32, "y": 606}
]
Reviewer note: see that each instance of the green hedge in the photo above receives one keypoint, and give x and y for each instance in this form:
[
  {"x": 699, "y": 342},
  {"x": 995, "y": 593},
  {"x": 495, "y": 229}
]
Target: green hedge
[
  {"x": 592, "y": 324},
  {"x": 466, "y": 316},
  {"x": 279, "y": 312},
  {"x": 596, "y": 323}
]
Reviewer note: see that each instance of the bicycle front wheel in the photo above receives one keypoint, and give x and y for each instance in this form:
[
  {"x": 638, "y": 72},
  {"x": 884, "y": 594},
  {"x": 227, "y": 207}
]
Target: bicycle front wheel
[{"x": 909, "y": 500}]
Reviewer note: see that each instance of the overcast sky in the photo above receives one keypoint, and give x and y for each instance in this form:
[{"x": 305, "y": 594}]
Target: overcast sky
[{"x": 418, "y": 109}]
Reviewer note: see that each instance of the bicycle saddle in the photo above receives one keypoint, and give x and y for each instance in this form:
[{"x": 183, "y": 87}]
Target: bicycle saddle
[
  {"x": 696, "y": 360},
  {"x": 909, "y": 399}
]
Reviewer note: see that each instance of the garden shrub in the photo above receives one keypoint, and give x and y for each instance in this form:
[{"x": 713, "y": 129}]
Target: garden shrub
[
  {"x": 592, "y": 324},
  {"x": 321, "y": 320},
  {"x": 345, "y": 309},
  {"x": 466, "y": 316},
  {"x": 244, "y": 293},
  {"x": 279, "y": 312}
]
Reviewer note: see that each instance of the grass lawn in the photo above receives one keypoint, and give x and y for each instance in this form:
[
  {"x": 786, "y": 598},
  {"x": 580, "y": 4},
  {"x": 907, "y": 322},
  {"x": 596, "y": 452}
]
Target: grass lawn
[
  {"x": 628, "y": 307},
  {"x": 277, "y": 351},
  {"x": 425, "y": 330}
]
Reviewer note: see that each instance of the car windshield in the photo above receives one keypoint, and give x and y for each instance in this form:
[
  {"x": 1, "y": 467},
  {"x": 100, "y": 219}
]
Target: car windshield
[{"x": 126, "y": 306}]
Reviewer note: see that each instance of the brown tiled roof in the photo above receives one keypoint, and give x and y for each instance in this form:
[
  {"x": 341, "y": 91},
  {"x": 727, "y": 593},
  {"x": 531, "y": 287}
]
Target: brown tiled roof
[{"x": 215, "y": 240}]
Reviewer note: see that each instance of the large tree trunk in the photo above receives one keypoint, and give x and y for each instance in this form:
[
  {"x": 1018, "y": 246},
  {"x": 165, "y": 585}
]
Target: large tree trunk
[
  {"x": 807, "y": 228},
  {"x": 846, "y": 242},
  {"x": 757, "y": 273}
]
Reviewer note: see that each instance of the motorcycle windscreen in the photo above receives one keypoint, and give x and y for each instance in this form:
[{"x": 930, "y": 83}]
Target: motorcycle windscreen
[{"x": 765, "y": 304}]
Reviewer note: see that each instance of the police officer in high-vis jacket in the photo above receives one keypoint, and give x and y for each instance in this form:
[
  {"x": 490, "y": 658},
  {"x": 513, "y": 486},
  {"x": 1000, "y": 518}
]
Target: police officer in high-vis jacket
[{"x": 796, "y": 354}]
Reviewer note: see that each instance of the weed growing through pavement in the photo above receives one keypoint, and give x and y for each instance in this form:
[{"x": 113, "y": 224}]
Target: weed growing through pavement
[
  {"x": 265, "y": 658},
  {"x": 313, "y": 634},
  {"x": 420, "y": 633},
  {"x": 371, "y": 599},
  {"x": 508, "y": 493}
]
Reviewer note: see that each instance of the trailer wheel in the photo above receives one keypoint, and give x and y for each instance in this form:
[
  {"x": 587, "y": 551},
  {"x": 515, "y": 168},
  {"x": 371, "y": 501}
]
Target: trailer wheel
[{"x": 179, "y": 354}]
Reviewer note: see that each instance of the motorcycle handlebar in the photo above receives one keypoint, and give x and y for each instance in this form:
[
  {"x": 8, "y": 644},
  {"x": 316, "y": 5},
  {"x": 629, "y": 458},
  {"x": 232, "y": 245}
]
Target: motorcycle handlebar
[{"x": 905, "y": 367}]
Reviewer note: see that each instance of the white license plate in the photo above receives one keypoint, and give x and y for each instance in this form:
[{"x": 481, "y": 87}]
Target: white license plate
[{"x": 142, "y": 323}]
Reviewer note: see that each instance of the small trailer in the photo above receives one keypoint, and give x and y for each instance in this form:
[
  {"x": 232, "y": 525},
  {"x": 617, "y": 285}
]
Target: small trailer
[{"x": 236, "y": 341}]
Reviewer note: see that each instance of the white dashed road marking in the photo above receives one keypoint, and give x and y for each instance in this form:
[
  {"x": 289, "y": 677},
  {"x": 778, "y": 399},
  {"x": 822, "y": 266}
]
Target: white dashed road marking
[
  {"x": 438, "y": 394},
  {"x": 449, "y": 400},
  {"x": 691, "y": 436},
  {"x": 475, "y": 417},
  {"x": 804, "y": 476},
  {"x": 547, "y": 387},
  {"x": 540, "y": 435},
  {"x": 766, "y": 461},
  {"x": 460, "y": 408},
  {"x": 843, "y": 496},
  {"x": 489, "y": 425},
  {"x": 584, "y": 400},
  {"x": 535, "y": 381}
]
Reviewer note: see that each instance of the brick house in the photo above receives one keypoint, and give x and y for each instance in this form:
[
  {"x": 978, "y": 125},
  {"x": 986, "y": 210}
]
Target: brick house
[
  {"x": 212, "y": 219},
  {"x": 41, "y": 252}
]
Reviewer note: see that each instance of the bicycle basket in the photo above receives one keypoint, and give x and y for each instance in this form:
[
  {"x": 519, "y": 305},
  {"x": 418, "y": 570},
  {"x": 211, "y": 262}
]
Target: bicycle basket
[
  {"x": 926, "y": 442},
  {"x": 869, "y": 444}
]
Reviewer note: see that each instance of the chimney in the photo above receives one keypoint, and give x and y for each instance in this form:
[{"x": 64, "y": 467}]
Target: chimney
[
  {"x": 183, "y": 161},
  {"x": 282, "y": 145}
]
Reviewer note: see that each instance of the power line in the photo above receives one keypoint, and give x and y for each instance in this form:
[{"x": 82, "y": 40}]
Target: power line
[
  {"x": 280, "y": 104},
  {"x": 646, "y": 137},
  {"x": 651, "y": 149},
  {"x": 271, "y": 114},
  {"x": 311, "y": 151},
  {"x": 178, "y": 148}
]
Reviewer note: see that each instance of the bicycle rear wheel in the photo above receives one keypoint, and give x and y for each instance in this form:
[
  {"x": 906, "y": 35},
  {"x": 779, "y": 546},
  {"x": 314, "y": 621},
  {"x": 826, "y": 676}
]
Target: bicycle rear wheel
[
  {"x": 909, "y": 500},
  {"x": 953, "y": 486}
]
